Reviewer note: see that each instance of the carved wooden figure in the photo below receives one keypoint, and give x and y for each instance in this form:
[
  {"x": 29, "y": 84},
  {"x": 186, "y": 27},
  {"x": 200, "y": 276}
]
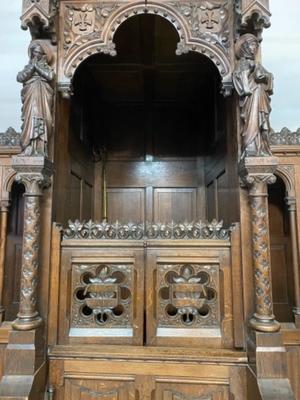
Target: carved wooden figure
[
  {"x": 254, "y": 85},
  {"x": 37, "y": 99}
]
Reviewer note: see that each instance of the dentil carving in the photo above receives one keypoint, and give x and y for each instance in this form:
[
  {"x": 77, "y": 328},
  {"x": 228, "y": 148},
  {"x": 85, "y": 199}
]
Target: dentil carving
[
  {"x": 85, "y": 23},
  {"x": 37, "y": 98},
  {"x": 254, "y": 85},
  {"x": 208, "y": 20}
]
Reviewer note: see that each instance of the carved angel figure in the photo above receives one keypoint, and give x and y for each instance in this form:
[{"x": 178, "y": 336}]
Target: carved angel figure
[
  {"x": 254, "y": 84},
  {"x": 37, "y": 99}
]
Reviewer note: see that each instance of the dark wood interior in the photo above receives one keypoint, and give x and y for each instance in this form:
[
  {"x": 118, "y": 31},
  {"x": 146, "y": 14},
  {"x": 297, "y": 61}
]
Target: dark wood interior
[
  {"x": 281, "y": 253},
  {"x": 161, "y": 119}
]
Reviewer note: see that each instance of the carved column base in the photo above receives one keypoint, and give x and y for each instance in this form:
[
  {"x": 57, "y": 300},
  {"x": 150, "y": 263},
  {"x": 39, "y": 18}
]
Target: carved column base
[
  {"x": 26, "y": 324},
  {"x": 264, "y": 325}
]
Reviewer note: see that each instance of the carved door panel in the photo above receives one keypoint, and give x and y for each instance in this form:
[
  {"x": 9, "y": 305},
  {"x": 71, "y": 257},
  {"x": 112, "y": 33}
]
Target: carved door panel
[
  {"x": 101, "y": 292},
  {"x": 188, "y": 297},
  {"x": 77, "y": 389}
]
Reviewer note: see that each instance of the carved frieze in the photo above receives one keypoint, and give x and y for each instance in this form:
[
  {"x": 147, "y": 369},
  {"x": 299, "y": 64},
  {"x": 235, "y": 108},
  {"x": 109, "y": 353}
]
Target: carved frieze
[
  {"x": 104, "y": 230},
  {"x": 188, "y": 295},
  {"x": 102, "y": 296},
  {"x": 285, "y": 137},
  {"x": 84, "y": 23},
  {"x": 10, "y": 138},
  {"x": 208, "y": 20}
]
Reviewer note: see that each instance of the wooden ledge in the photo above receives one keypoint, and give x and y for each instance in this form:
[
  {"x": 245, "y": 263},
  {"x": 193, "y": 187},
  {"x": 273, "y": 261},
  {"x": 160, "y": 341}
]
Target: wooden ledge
[
  {"x": 5, "y": 328},
  {"x": 148, "y": 354}
]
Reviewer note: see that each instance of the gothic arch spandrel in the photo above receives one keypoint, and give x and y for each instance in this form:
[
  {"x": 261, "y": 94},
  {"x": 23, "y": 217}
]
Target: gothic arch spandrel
[{"x": 89, "y": 28}]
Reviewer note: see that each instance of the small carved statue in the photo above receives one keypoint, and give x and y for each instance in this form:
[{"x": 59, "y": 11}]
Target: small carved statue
[
  {"x": 37, "y": 99},
  {"x": 254, "y": 84}
]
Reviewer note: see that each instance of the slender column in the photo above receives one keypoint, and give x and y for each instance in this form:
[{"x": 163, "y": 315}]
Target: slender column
[
  {"x": 291, "y": 203},
  {"x": 257, "y": 173},
  {"x": 34, "y": 173},
  {"x": 4, "y": 208}
]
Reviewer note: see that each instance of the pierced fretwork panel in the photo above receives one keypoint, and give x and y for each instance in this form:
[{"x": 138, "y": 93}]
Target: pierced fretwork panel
[
  {"x": 102, "y": 296},
  {"x": 188, "y": 296}
]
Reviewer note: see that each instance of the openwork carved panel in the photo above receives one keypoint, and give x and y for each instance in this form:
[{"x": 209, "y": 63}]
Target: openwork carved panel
[
  {"x": 187, "y": 295},
  {"x": 213, "y": 230},
  {"x": 102, "y": 296}
]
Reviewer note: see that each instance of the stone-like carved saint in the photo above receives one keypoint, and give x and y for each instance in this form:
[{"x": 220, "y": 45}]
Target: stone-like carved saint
[
  {"x": 37, "y": 99},
  {"x": 254, "y": 84}
]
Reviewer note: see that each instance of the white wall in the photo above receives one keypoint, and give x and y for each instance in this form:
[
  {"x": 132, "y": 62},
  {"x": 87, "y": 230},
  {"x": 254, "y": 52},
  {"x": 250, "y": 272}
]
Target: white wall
[
  {"x": 281, "y": 55},
  {"x": 13, "y": 57}
]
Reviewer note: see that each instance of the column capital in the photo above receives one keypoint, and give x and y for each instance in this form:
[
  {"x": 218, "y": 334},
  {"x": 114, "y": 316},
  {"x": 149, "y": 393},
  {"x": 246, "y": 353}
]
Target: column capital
[
  {"x": 33, "y": 172},
  {"x": 255, "y": 171}
]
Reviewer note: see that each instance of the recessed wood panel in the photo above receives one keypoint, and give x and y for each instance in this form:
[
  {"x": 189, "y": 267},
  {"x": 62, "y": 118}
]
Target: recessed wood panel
[
  {"x": 86, "y": 206},
  {"x": 75, "y": 190},
  {"x": 90, "y": 389},
  {"x": 175, "y": 204},
  {"x": 126, "y": 204}
]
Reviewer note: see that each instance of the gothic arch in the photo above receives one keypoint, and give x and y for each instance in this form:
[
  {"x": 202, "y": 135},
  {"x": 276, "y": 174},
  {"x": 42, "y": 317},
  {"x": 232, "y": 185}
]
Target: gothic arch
[
  {"x": 287, "y": 174},
  {"x": 103, "y": 41}
]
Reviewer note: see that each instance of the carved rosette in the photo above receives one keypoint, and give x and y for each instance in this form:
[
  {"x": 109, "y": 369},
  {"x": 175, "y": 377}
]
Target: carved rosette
[
  {"x": 34, "y": 173},
  {"x": 257, "y": 173}
]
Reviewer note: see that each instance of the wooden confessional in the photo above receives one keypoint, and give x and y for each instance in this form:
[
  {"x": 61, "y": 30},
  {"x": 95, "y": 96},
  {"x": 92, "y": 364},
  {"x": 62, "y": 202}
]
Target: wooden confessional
[{"x": 142, "y": 247}]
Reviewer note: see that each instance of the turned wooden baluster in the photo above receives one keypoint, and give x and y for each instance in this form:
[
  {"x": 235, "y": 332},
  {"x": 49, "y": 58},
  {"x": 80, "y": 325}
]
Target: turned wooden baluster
[{"x": 4, "y": 208}]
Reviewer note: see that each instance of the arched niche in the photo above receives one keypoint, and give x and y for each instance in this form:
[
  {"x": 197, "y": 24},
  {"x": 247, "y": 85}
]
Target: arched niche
[
  {"x": 213, "y": 46},
  {"x": 178, "y": 102},
  {"x": 281, "y": 243}
]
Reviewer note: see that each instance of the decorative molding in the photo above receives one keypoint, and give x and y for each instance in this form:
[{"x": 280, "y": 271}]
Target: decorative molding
[
  {"x": 285, "y": 137},
  {"x": 287, "y": 174},
  {"x": 10, "y": 138},
  {"x": 137, "y": 231},
  {"x": 187, "y": 296}
]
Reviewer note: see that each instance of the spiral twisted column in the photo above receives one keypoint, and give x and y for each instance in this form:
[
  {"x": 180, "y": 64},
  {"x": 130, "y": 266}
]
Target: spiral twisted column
[
  {"x": 257, "y": 173},
  {"x": 34, "y": 173}
]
